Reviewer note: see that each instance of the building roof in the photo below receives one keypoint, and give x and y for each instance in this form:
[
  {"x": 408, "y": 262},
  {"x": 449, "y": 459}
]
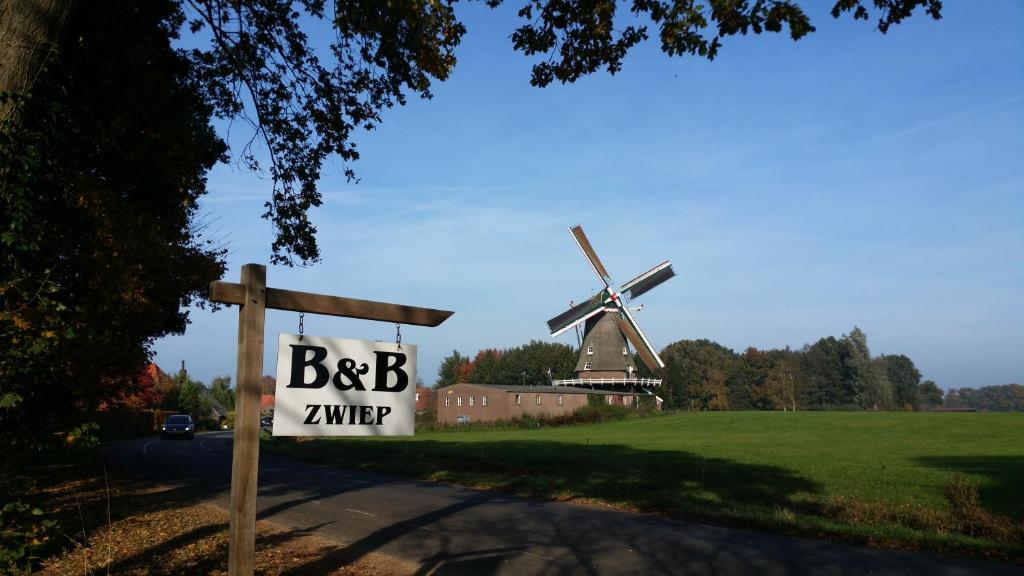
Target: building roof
[{"x": 549, "y": 389}]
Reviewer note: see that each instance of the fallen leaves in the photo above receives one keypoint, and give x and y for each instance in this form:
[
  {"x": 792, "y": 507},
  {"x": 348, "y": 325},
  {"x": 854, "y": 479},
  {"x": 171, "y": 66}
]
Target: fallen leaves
[{"x": 159, "y": 530}]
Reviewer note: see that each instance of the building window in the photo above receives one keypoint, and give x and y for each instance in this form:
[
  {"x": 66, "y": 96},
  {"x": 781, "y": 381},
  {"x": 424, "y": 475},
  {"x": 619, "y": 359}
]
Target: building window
[
  {"x": 519, "y": 399},
  {"x": 538, "y": 399},
  {"x": 625, "y": 351},
  {"x": 588, "y": 365},
  {"x": 590, "y": 350},
  {"x": 611, "y": 399},
  {"x": 483, "y": 400},
  {"x": 458, "y": 401},
  {"x": 417, "y": 396},
  {"x": 471, "y": 401},
  {"x": 447, "y": 401},
  {"x": 559, "y": 399}
]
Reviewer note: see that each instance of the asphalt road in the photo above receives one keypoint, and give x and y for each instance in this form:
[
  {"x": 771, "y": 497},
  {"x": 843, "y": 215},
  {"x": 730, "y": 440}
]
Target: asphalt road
[{"x": 450, "y": 530}]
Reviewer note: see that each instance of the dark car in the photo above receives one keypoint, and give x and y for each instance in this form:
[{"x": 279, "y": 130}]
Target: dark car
[
  {"x": 178, "y": 425},
  {"x": 266, "y": 421}
]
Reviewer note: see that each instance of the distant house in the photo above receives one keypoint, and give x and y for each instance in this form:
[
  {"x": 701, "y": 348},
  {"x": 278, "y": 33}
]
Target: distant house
[
  {"x": 268, "y": 385},
  {"x": 460, "y": 403},
  {"x": 266, "y": 402},
  {"x": 424, "y": 398}
]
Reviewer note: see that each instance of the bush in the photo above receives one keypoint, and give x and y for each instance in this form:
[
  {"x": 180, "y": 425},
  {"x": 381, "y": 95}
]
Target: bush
[
  {"x": 23, "y": 530},
  {"x": 972, "y": 519},
  {"x": 599, "y": 412},
  {"x": 426, "y": 421}
]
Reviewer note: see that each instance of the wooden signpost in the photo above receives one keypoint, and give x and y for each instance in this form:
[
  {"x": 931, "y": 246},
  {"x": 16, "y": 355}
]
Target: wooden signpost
[{"x": 254, "y": 297}]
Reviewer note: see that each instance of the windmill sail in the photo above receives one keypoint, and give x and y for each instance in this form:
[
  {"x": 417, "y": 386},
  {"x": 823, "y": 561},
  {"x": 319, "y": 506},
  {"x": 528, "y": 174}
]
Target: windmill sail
[
  {"x": 648, "y": 280},
  {"x": 588, "y": 251},
  {"x": 576, "y": 314},
  {"x": 643, "y": 346}
]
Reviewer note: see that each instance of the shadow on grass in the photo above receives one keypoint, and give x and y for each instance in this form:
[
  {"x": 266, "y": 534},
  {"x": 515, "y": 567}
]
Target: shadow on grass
[
  {"x": 1002, "y": 480},
  {"x": 651, "y": 480}
]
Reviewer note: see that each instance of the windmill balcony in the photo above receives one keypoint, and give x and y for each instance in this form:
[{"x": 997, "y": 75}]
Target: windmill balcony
[{"x": 608, "y": 382}]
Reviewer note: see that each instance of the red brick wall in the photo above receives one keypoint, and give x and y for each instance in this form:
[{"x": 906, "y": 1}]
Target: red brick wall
[
  {"x": 424, "y": 398},
  {"x": 501, "y": 405}
]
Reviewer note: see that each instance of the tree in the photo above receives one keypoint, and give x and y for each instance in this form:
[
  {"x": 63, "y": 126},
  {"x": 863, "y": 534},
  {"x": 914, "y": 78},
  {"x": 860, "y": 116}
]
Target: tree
[
  {"x": 28, "y": 32},
  {"x": 879, "y": 391},
  {"x": 823, "y": 365},
  {"x": 905, "y": 379},
  {"x": 856, "y": 361},
  {"x": 487, "y": 366},
  {"x": 782, "y": 382},
  {"x": 865, "y": 379},
  {"x": 448, "y": 371},
  {"x": 222, "y": 392},
  {"x": 144, "y": 391},
  {"x": 188, "y": 396},
  {"x": 748, "y": 382},
  {"x": 929, "y": 395},
  {"x": 696, "y": 373},
  {"x": 99, "y": 179}
]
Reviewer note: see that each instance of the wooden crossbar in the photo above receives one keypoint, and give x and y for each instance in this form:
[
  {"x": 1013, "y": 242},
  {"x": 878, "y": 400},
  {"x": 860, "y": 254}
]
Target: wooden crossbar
[{"x": 278, "y": 299}]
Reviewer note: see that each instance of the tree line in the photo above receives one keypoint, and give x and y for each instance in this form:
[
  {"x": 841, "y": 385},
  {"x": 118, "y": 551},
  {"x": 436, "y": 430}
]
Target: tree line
[
  {"x": 536, "y": 363},
  {"x": 1001, "y": 398},
  {"x": 832, "y": 373}
]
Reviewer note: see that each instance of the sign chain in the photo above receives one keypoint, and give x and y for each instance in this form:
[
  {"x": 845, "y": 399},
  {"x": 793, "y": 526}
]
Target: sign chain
[
  {"x": 302, "y": 315},
  {"x": 398, "y": 335}
]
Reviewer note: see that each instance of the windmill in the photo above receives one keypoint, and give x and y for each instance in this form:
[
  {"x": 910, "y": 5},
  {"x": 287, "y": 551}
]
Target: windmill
[{"x": 609, "y": 324}]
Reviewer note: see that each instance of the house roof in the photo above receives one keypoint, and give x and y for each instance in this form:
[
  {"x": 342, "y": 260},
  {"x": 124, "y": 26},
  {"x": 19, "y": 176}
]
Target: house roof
[{"x": 550, "y": 389}]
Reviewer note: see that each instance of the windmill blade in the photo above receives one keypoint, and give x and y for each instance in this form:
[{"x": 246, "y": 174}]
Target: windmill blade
[
  {"x": 648, "y": 280},
  {"x": 576, "y": 314},
  {"x": 643, "y": 347},
  {"x": 588, "y": 251}
]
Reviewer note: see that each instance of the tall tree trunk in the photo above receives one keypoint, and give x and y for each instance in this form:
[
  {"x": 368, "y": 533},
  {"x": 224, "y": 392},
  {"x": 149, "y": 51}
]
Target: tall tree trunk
[{"x": 28, "y": 31}]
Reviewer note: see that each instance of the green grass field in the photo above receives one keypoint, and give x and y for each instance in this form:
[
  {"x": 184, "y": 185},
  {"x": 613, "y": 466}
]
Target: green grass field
[{"x": 947, "y": 482}]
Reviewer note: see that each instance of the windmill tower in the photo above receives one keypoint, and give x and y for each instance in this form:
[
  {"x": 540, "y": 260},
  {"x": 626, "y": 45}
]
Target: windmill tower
[{"x": 609, "y": 325}]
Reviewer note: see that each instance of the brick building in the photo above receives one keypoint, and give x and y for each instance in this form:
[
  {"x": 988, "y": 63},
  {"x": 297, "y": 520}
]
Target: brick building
[
  {"x": 462, "y": 403},
  {"x": 424, "y": 398}
]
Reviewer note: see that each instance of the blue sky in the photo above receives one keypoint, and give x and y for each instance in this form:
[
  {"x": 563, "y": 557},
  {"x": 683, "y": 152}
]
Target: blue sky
[{"x": 799, "y": 189}]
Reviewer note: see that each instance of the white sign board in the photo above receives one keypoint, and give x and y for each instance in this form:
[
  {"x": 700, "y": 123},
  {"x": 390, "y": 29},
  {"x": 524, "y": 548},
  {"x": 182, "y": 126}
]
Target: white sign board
[{"x": 342, "y": 387}]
